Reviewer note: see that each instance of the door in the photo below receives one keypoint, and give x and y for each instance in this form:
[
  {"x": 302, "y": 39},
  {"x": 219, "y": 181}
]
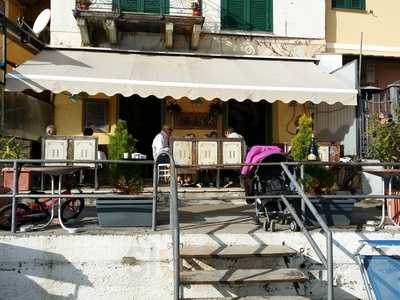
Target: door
[
  {"x": 144, "y": 120},
  {"x": 252, "y": 120}
]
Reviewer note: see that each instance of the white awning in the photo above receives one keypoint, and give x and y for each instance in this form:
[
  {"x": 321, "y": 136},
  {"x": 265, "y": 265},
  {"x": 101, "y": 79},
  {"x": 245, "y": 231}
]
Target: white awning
[{"x": 111, "y": 73}]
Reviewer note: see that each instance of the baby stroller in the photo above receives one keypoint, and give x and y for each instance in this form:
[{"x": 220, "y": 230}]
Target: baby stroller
[{"x": 271, "y": 181}]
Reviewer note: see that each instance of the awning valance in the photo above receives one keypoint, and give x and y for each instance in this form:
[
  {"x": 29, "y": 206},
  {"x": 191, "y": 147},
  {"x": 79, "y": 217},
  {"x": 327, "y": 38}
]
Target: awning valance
[{"x": 111, "y": 73}]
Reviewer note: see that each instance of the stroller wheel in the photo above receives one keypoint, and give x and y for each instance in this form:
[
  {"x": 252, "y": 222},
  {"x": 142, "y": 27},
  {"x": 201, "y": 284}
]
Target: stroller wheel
[{"x": 293, "y": 226}]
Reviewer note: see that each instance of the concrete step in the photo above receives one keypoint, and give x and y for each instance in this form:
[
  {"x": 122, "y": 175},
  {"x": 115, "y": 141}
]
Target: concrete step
[
  {"x": 256, "y": 298},
  {"x": 236, "y": 251},
  {"x": 256, "y": 276}
]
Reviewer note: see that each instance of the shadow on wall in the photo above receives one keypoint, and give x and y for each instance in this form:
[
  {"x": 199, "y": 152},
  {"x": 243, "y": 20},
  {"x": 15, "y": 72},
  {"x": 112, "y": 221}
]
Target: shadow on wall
[{"x": 22, "y": 268}]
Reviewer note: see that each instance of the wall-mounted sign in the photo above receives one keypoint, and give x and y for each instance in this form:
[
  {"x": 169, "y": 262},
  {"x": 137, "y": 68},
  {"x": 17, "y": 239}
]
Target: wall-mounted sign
[
  {"x": 207, "y": 153},
  {"x": 231, "y": 153},
  {"x": 56, "y": 149},
  {"x": 183, "y": 153},
  {"x": 185, "y": 120},
  {"x": 85, "y": 150}
]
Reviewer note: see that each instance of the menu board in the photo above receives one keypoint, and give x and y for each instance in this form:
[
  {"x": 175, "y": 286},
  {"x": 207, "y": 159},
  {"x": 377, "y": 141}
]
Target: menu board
[
  {"x": 207, "y": 153},
  {"x": 231, "y": 153},
  {"x": 183, "y": 153}
]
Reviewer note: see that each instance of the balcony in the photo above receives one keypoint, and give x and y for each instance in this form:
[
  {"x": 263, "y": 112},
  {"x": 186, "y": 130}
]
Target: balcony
[{"x": 163, "y": 16}]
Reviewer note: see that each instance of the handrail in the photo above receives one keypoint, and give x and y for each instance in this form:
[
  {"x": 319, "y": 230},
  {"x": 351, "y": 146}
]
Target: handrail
[
  {"x": 173, "y": 216},
  {"x": 328, "y": 261}
]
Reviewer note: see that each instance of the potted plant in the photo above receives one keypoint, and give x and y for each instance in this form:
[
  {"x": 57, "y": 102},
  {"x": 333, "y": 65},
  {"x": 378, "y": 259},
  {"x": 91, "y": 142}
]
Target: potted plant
[
  {"x": 319, "y": 180},
  {"x": 196, "y": 9},
  {"x": 123, "y": 212},
  {"x": 12, "y": 148},
  {"x": 84, "y": 4}
]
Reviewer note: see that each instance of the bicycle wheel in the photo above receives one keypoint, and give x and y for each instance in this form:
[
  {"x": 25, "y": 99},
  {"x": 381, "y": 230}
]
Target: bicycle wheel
[
  {"x": 72, "y": 208},
  {"x": 5, "y": 215}
]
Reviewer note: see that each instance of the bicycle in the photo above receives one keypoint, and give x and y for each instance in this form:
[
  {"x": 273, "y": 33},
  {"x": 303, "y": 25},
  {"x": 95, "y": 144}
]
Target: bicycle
[{"x": 40, "y": 210}]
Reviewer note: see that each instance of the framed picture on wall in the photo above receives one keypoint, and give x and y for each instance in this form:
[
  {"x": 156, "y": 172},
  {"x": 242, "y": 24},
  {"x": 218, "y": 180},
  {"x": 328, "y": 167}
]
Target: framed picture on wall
[{"x": 95, "y": 115}]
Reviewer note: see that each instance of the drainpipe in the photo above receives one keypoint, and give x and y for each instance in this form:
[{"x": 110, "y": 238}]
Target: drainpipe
[{"x": 360, "y": 107}]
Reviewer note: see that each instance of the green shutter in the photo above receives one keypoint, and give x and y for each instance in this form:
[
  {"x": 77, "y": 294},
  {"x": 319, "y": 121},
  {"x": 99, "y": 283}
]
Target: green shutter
[
  {"x": 234, "y": 14},
  {"x": 148, "y": 6},
  {"x": 156, "y": 6},
  {"x": 358, "y": 4},
  {"x": 128, "y": 5},
  {"x": 350, "y": 4},
  {"x": 261, "y": 15}
]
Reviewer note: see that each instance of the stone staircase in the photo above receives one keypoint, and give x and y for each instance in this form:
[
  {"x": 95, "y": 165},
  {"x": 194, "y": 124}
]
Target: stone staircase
[{"x": 207, "y": 265}]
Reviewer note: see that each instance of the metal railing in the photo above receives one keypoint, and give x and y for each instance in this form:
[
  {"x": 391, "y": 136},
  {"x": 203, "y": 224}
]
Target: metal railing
[
  {"x": 173, "y": 215},
  {"x": 326, "y": 260},
  {"x": 182, "y": 8}
]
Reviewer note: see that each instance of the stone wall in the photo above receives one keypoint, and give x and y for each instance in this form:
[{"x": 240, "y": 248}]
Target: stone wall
[{"x": 138, "y": 266}]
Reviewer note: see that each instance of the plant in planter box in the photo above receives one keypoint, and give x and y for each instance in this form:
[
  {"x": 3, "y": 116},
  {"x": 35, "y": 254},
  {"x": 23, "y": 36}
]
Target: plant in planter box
[
  {"x": 124, "y": 212},
  {"x": 303, "y": 138},
  {"x": 384, "y": 138},
  {"x": 14, "y": 148},
  {"x": 132, "y": 186},
  {"x": 121, "y": 141},
  {"x": 319, "y": 180}
]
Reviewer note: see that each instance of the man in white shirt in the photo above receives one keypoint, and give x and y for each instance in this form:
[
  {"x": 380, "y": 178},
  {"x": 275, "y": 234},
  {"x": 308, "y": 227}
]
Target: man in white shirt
[
  {"x": 161, "y": 141},
  {"x": 232, "y": 134}
]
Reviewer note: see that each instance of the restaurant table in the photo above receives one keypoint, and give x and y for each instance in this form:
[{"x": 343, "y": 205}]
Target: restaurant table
[
  {"x": 387, "y": 176},
  {"x": 55, "y": 172}
]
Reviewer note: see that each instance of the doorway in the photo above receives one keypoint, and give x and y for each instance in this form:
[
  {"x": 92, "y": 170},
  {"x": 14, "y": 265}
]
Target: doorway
[
  {"x": 252, "y": 120},
  {"x": 144, "y": 118}
]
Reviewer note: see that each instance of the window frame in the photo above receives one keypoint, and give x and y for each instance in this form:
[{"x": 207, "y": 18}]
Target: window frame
[
  {"x": 247, "y": 16},
  {"x": 106, "y": 116}
]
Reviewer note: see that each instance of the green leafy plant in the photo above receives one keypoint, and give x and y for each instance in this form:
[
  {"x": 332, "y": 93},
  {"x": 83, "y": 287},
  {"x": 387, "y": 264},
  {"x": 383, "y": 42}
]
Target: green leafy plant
[
  {"x": 132, "y": 186},
  {"x": 320, "y": 180},
  {"x": 384, "y": 139},
  {"x": 302, "y": 140},
  {"x": 121, "y": 141},
  {"x": 10, "y": 147}
]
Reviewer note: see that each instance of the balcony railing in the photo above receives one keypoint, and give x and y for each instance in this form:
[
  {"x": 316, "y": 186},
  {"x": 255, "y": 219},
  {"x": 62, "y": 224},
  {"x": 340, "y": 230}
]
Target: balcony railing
[{"x": 164, "y": 7}]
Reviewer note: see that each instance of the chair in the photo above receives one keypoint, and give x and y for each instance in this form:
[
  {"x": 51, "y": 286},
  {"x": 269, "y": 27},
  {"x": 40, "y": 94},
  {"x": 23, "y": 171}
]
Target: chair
[{"x": 380, "y": 273}]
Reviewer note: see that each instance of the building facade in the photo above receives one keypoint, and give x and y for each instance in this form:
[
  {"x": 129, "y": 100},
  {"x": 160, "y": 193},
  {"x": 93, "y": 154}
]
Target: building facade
[
  {"x": 23, "y": 114},
  {"x": 367, "y": 28},
  {"x": 228, "y": 29}
]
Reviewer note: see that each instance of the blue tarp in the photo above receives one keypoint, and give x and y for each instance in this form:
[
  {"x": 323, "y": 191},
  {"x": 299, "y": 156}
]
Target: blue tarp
[
  {"x": 382, "y": 243},
  {"x": 384, "y": 275}
]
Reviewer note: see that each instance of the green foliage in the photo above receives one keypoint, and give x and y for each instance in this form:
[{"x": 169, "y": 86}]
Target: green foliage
[
  {"x": 320, "y": 180},
  {"x": 384, "y": 139},
  {"x": 302, "y": 141},
  {"x": 121, "y": 141},
  {"x": 132, "y": 186},
  {"x": 10, "y": 147}
]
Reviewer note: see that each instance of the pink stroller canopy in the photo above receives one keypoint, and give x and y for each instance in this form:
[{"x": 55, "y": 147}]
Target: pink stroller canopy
[{"x": 256, "y": 154}]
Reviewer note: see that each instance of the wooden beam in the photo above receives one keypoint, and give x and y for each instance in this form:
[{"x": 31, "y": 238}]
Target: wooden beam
[
  {"x": 169, "y": 35},
  {"x": 83, "y": 27}
]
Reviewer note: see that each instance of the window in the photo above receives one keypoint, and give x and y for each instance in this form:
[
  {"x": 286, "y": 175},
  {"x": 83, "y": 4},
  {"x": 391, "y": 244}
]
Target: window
[
  {"x": 350, "y": 4},
  {"x": 147, "y": 6},
  {"x": 95, "y": 115},
  {"x": 254, "y": 15}
]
